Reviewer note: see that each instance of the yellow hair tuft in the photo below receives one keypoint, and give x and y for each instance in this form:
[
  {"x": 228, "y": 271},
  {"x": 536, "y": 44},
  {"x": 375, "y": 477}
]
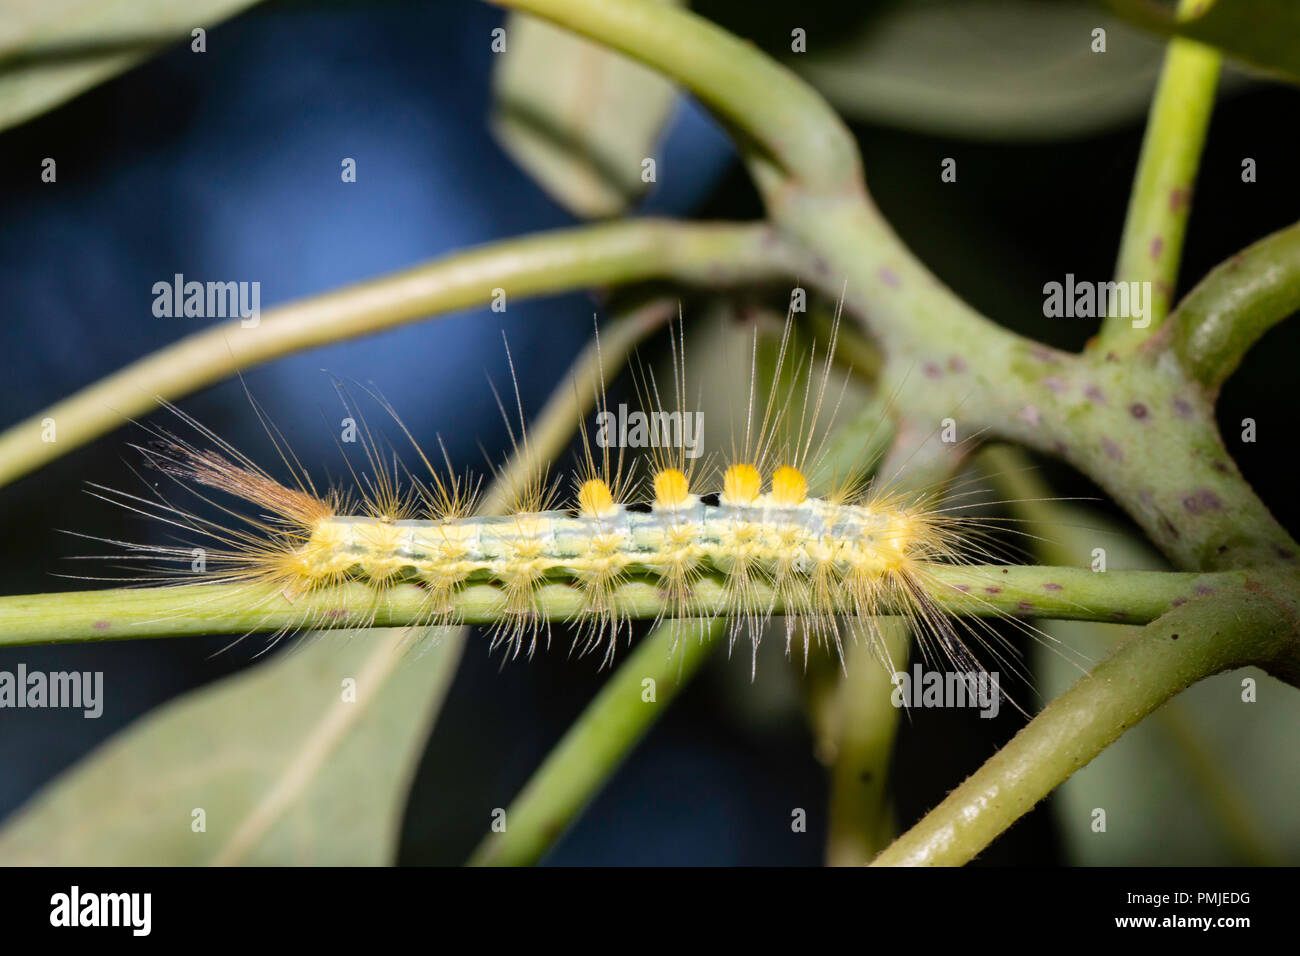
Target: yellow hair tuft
[
  {"x": 595, "y": 500},
  {"x": 789, "y": 487},
  {"x": 741, "y": 485},
  {"x": 672, "y": 490}
]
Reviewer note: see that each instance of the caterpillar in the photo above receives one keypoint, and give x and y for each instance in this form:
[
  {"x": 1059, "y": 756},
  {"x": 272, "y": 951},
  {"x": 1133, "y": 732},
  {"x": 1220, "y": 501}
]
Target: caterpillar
[{"x": 753, "y": 523}]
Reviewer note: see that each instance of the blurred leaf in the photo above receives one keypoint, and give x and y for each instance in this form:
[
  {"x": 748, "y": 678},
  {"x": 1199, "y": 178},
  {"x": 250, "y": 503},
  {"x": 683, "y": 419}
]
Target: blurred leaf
[
  {"x": 51, "y": 50},
  {"x": 286, "y": 770},
  {"x": 989, "y": 69},
  {"x": 1207, "y": 780},
  {"x": 1262, "y": 33},
  {"x": 578, "y": 118}
]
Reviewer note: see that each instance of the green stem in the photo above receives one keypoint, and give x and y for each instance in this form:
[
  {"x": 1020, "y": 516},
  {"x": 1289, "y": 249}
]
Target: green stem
[
  {"x": 1191, "y": 642},
  {"x": 1219, "y": 321},
  {"x": 866, "y": 721},
  {"x": 1152, "y": 245},
  {"x": 595, "y": 744},
  {"x": 709, "y": 253},
  {"x": 983, "y": 590}
]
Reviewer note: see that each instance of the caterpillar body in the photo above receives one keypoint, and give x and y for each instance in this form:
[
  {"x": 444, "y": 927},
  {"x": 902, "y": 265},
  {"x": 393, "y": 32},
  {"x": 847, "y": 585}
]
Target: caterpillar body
[
  {"x": 837, "y": 556},
  {"x": 775, "y": 547}
]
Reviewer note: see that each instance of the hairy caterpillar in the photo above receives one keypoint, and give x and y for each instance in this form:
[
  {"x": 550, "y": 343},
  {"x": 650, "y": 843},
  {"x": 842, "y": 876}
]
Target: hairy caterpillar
[{"x": 753, "y": 523}]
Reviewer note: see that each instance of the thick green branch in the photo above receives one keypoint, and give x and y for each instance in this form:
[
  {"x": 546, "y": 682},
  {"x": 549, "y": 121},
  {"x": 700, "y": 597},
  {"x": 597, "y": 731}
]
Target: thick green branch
[
  {"x": 1234, "y": 628},
  {"x": 129, "y": 613},
  {"x": 596, "y": 743},
  {"x": 1141, "y": 429},
  {"x": 1160, "y": 203},
  {"x": 909, "y": 312},
  {"x": 710, "y": 253},
  {"x": 1224, "y": 316}
]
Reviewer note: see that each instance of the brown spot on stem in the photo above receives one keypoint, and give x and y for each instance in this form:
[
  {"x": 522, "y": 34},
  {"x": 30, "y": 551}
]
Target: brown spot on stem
[
  {"x": 1112, "y": 450},
  {"x": 1051, "y": 586},
  {"x": 1138, "y": 411},
  {"x": 1183, "y": 408},
  {"x": 101, "y": 625},
  {"x": 957, "y": 364},
  {"x": 1095, "y": 395},
  {"x": 889, "y": 277},
  {"x": 1157, "y": 246},
  {"x": 1202, "y": 500}
]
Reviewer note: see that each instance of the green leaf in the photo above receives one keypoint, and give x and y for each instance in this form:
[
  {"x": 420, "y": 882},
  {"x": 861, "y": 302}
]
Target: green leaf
[
  {"x": 51, "y": 50},
  {"x": 576, "y": 117},
  {"x": 986, "y": 69},
  {"x": 284, "y": 768},
  {"x": 1262, "y": 33}
]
